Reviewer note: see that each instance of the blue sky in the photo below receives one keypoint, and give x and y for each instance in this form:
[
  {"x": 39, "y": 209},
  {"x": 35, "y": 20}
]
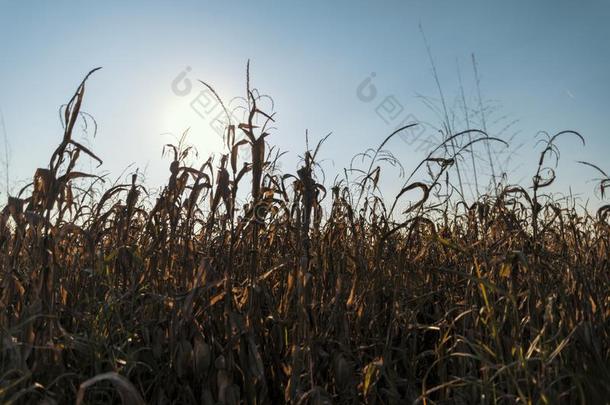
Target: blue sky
[{"x": 543, "y": 64}]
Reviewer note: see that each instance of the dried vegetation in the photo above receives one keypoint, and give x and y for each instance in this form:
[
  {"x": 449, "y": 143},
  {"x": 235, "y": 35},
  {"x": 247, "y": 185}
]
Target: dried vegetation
[{"x": 111, "y": 294}]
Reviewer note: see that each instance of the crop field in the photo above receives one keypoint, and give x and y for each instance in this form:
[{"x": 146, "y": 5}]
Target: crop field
[{"x": 303, "y": 292}]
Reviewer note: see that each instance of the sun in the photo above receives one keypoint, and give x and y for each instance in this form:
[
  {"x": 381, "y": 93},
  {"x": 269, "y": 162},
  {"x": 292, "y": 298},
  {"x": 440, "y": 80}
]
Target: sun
[{"x": 204, "y": 129}]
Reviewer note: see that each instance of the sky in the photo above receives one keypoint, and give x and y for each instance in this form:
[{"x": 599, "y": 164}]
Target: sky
[{"x": 542, "y": 66}]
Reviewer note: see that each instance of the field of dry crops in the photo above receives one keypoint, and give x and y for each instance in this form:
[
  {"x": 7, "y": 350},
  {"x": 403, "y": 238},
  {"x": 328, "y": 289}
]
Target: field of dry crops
[{"x": 111, "y": 294}]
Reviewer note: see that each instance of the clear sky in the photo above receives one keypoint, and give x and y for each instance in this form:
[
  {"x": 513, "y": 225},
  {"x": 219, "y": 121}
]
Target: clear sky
[{"x": 543, "y": 64}]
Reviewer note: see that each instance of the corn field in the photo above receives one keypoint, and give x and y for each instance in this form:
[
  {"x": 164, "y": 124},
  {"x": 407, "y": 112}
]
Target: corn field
[{"x": 303, "y": 294}]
